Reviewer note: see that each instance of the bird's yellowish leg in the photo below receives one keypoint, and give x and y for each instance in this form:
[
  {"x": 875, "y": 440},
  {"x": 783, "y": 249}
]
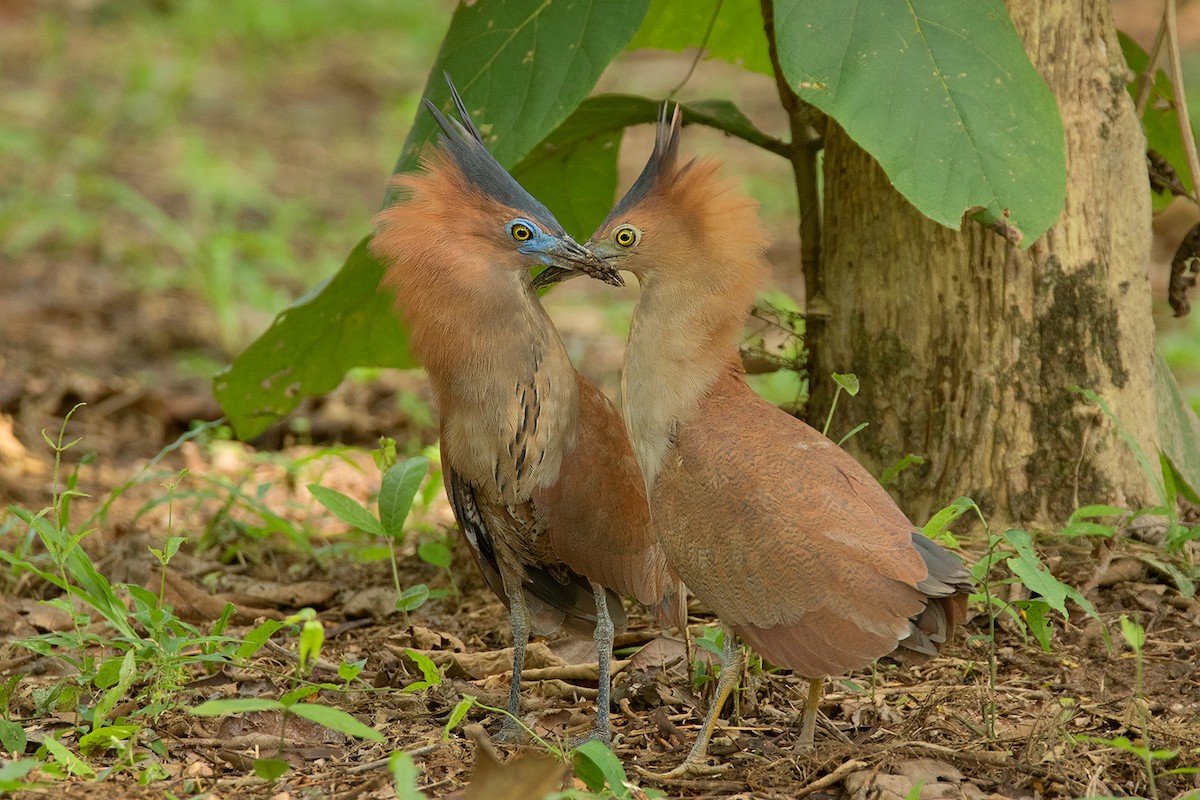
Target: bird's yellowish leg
[
  {"x": 732, "y": 662},
  {"x": 809, "y": 724}
]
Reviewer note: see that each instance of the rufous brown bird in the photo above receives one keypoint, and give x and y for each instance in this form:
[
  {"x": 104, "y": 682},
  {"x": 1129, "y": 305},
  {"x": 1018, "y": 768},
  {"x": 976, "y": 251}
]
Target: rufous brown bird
[
  {"x": 793, "y": 544},
  {"x": 537, "y": 462}
]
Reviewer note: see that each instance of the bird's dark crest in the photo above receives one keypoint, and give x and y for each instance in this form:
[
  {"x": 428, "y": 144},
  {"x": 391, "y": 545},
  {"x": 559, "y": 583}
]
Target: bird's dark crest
[
  {"x": 660, "y": 167},
  {"x": 463, "y": 143}
]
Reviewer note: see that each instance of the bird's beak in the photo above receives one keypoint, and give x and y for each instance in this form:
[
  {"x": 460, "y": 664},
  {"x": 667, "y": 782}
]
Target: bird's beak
[{"x": 566, "y": 258}]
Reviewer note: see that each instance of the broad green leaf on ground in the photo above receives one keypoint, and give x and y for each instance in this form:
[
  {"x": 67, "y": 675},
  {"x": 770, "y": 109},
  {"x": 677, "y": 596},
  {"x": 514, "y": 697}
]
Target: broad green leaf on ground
[
  {"x": 942, "y": 95},
  {"x": 522, "y": 66},
  {"x": 1160, "y": 120},
  {"x": 343, "y": 323},
  {"x": 737, "y": 32},
  {"x": 596, "y": 766},
  {"x": 574, "y": 170}
]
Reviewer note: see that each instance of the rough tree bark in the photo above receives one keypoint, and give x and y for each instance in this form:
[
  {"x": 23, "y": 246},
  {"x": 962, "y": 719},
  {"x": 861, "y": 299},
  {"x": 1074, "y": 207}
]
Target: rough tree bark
[{"x": 966, "y": 345}]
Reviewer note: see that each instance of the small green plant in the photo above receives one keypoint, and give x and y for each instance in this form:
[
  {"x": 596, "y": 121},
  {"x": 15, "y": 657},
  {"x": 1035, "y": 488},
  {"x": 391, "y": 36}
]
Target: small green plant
[
  {"x": 1166, "y": 480},
  {"x": 712, "y": 640},
  {"x": 145, "y": 655},
  {"x": 404, "y": 776},
  {"x": 398, "y": 488},
  {"x": 1135, "y": 636},
  {"x": 1014, "y": 550},
  {"x": 295, "y": 702},
  {"x": 430, "y": 675},
  {"x": 848, "y": 383},
  {"x": 892, "y": 472}
]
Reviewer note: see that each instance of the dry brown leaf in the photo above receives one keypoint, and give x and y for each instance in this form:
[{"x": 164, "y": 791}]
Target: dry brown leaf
[
  {"x": 574, "y": 650},
  {"x": 48, "y": 618},
  {"x": 668, "y": 652},
  {"x": 939, "y": 780},
  {"x": 256, "y": 592},
  {"x": 375, "y": 602},
  {"x": 194, "y": 604},
  {"x": 297, "y": 731},
  {"x": 14, "y": 458},
  {"x": 1185, "y": 266},
  {"x": 530, "y": 775},
  {"x": 428, "y": 639}
]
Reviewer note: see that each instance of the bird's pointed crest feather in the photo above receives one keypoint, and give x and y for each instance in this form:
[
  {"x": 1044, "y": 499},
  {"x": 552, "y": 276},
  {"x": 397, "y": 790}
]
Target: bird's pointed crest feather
[
  {"x": 660, "y": 167},
  {"x": 462, "y": 141}
]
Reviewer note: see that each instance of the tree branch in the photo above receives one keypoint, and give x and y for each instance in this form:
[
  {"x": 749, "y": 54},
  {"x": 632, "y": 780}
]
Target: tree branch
[
  {"x": 1145, "y": 82},
  {"x": 802, "y": 153},
  {"x": 1185, "y": 124}
]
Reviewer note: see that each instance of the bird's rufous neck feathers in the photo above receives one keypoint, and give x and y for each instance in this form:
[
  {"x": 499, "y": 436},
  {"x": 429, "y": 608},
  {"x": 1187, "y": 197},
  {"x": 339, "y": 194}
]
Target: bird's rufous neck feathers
[
  {"x": 707, "y": 265},
  {"x": 505, "y": 387}
]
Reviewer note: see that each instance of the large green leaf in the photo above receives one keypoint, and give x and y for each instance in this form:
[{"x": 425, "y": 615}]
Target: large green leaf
[
  {"x": 574, "y": 175},
  {"x": 942, "y": 95},
  {"x": 574, "y": 170},
  {"x": 737, "y": 32},
  {"x": 342, "y": 323},
  {"x": 522, "y": 66}
]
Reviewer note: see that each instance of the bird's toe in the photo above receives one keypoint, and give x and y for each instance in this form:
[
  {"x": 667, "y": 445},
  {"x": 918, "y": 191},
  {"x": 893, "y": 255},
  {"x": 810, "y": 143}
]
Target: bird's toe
[
  {"x": 688, "y": 769},
  {"x": 510, "y": 733}
]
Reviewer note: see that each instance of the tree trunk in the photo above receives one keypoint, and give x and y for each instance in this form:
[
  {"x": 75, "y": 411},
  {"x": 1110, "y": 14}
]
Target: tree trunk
[{"x": 966, "y": 346}]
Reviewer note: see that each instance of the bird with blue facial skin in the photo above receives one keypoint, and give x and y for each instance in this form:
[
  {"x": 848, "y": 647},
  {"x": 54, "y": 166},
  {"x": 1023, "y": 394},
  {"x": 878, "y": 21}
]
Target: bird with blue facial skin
[
  {"x": 780, "y": 532},
  {"x": 537, "y": 464}
]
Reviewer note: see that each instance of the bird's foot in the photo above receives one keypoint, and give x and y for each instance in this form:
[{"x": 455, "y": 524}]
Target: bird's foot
[
  {"x": 688, "y": 769},
  {"x": 510, "y": 732},
  {"x": 598, "y": 734}
]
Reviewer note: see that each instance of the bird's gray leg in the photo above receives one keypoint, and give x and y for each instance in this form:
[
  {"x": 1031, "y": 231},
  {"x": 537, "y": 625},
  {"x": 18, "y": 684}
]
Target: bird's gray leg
[
  {"x": 518, "y": 617},
  {"x": 603, "y": 637}
]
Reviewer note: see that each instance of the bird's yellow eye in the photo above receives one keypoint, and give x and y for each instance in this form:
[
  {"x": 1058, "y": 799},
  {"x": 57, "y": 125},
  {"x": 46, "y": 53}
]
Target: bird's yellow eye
[
  {"x": 520, "y": 232},
  {"x": 627, "y": 236}
]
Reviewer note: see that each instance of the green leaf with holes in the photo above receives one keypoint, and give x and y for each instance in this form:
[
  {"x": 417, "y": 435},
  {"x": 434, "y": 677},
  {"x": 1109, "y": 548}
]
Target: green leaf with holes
[
  {"x": 942, "y": 95},
  {"x": 522, "y": 67}
]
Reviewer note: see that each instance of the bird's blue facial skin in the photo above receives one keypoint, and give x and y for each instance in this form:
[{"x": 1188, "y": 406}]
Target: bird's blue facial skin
[
  {"x": 560, "y": 252},
  {"x": 532, "y": 240}
]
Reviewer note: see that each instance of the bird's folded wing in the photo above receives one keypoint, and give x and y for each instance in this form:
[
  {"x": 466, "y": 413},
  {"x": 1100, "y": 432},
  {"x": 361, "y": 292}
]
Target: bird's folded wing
[{"x": 596, "y": 514}]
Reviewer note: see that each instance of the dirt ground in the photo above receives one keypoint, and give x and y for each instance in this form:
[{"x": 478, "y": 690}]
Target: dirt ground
[{"x": 74, "y": 335}]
